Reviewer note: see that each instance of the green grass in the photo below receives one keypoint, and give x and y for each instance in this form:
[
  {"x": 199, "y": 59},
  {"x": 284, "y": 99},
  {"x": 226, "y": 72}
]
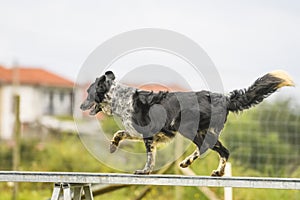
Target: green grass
[
  {"x": 31, "y": 192},
  {"x": 68, "y": 154},
  {"x": 64, "y": 117}
]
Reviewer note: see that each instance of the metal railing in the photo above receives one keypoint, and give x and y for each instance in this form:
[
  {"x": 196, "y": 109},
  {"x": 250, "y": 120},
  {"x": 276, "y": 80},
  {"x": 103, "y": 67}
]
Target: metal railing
[{"x": 65, "y": 180}]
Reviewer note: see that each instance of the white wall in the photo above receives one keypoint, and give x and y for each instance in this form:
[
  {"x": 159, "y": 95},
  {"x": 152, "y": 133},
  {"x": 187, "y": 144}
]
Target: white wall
[
  {"x": 61, "y": 98},
  {"x": 7, "y": 115},
  {"x": 30, "y": 103},
  {"x": 34, "y": 104}
]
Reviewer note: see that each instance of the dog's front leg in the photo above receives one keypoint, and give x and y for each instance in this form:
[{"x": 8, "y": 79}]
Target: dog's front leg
[
  {"x": 118, "y": 137},
  {"x": 151, "y": 151}
]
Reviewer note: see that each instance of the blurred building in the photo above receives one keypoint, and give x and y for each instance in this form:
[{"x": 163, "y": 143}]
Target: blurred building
[{"x": 42, "y": 93}]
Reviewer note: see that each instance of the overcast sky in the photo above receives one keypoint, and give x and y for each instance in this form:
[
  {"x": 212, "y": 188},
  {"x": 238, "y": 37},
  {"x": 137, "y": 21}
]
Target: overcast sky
[{"x": 244, "y": 39}]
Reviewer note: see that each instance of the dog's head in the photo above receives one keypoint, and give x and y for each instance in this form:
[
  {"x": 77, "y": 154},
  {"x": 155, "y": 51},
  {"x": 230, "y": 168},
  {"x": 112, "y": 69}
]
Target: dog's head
[{"x": 97, "y": 93}]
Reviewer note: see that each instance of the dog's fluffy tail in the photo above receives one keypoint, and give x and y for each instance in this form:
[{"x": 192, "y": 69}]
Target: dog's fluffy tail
[{"x": 261, "y": 89}]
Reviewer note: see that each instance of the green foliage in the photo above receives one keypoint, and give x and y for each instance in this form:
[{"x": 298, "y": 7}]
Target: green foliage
[
  {"x": 6, "y": 156},
  {"x": 110, "y": 125},
  {"x": 54, "y": 153},
  {"x": 283, "y": 119},
  {"x": 265, "y": 138}
]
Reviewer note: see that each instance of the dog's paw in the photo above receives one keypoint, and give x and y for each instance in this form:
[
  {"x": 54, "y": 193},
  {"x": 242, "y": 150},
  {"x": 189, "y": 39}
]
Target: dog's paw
[
  {"x": 185, "y": 163},
  {"x": 217, "y": 173},
  {"x": 112, "y": 147},
  {"x": 142, "y": 172}
]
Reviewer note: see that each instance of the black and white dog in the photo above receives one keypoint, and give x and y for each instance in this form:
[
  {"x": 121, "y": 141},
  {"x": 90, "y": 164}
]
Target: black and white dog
[{"x": 158, "y": 117}]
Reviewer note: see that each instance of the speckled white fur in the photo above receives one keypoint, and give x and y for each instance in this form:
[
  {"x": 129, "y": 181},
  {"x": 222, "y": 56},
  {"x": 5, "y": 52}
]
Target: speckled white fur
[{"x": 119, "y": 102}]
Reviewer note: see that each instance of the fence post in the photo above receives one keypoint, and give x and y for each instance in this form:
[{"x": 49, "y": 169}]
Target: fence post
[
  {"x": 228, "y": 190},
  {"x": 17, "y": 139},
  {"x": 178, "y": 154}
]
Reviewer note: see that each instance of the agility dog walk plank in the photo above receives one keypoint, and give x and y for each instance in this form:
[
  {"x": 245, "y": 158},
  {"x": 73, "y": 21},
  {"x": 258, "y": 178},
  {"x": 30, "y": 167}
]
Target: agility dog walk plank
[{"x": 131, "y": 179}]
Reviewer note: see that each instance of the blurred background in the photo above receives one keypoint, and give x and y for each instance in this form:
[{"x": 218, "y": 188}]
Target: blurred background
[{"x": 43, "y": 46}]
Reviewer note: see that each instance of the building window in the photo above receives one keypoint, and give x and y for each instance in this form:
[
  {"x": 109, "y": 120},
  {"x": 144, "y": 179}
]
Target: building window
[
  {"x": 51, "y": 103},
  {"x": 71, "y": 102},
  {"x": 61, "y": 96}
]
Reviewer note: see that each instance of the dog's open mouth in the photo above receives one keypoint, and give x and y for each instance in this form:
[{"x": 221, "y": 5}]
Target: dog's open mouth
[
  {"x": 92, "y": 106},
  {"x": 95, "y": 109}
]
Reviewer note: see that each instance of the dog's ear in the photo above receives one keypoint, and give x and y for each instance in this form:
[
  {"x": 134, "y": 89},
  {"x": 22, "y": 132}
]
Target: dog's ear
[
  {"x": 110, "y": 75},
  {"x": 100, "y": 80}
]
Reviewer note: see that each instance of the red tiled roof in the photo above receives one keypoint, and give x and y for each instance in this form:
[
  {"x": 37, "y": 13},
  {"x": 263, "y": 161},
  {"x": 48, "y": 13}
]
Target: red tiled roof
[
  {"x": 33, "y": 76},
  {"x": 4, "y": 74}
]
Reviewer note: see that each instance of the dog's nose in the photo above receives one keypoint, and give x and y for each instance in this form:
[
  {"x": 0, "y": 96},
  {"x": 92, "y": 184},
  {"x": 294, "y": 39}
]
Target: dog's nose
[{"x": 83, "y": 106}]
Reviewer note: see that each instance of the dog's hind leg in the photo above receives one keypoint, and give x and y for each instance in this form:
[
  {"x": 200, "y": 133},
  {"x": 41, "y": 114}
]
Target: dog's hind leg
[
  {"x": 205, "y": 140},
  {"x": 224, "y": 155},
  {"x": 198, "y": 140},
  {"x": 151, "y": 152},
  {"x": 190, "y": 159},
  {"x": 118, "y": 137},
  {"x": 202, "y": 148}
]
